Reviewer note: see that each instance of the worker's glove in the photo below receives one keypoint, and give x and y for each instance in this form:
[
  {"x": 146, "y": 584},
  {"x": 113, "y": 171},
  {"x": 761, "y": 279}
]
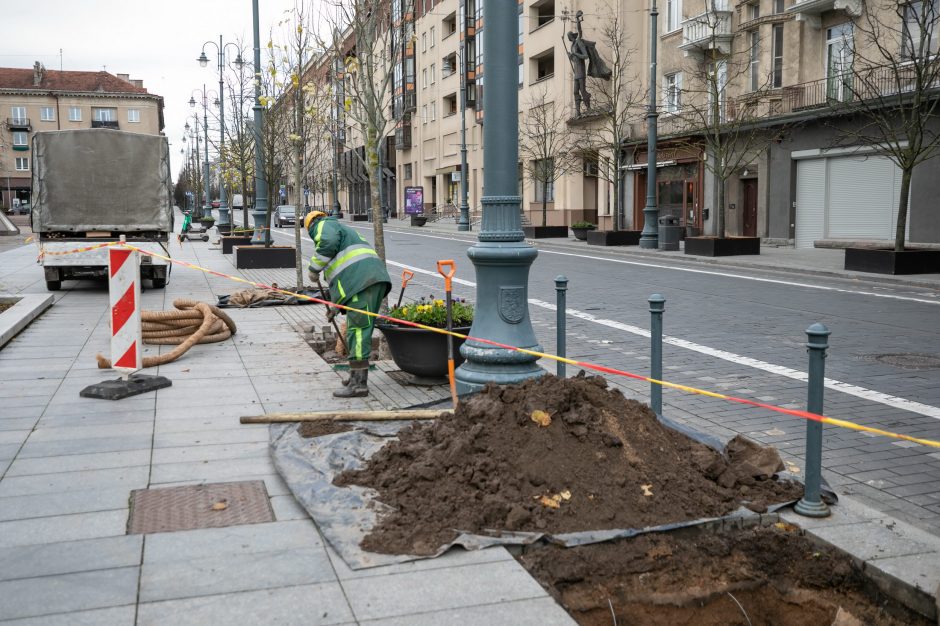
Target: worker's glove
[
  {"x": 312, "y": 275},
  {"x": 331, "y": 312}
]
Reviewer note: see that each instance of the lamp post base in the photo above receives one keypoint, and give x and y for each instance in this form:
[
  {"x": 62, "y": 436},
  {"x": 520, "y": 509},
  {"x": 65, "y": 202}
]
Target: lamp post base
[
  {"x": 259, "y": 215},
  {"x": 812, "y": 509}
]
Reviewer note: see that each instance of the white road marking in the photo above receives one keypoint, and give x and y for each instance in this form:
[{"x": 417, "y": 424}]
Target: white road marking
[
  {"x": 699, "y": 271},
  {"x": 836, "y": 385}
]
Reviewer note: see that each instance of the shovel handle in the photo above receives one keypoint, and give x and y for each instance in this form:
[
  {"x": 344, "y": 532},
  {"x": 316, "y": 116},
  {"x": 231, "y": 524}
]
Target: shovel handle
[
  {"x": 448, "y": 275},
  {"x": 406, "y": 275}
]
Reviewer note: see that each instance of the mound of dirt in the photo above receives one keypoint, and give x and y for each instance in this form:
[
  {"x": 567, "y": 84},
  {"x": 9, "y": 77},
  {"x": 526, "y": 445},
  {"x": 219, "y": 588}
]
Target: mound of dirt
[
  {"x": 769, "y": 575},
  {"x": 554, "y": 455}
]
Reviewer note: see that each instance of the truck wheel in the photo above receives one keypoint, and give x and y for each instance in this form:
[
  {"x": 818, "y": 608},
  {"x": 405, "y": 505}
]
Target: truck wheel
[
  {"x": 158, "y": 283},
  {"x": 53, "y": 285}
]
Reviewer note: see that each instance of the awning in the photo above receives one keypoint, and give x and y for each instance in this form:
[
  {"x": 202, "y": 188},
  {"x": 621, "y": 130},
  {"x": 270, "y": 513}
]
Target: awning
[
  {"x": 642, "y": 166},
  {"x": 448, "y": 169}
]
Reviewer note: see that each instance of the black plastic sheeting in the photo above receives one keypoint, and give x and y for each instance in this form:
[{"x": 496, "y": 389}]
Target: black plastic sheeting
[{"x": 345, "y": 515}]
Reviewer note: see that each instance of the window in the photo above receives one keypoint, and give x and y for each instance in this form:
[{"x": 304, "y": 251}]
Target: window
[
  {"x": 433, "y": 110},
  {"x": 839, "y": 58},
  {"x": 754, "y": 67},
  {"x": 779, "y": 6},
  {"x": 718, "y": 80},
  {"x": 432, "y": 36},
  {"x": 18, "y": 114},
  {"x": 450, "y": 105},
  {"x": 543, "y": 169},
  {"x": 22, "y": 164},
  {"x": 19, "y": 138},
  {"x": 544, "y": 65},
  {"x": 133, "y": 115},
  {"x": 432, "y": 73},
  {"x": 776, "y": 79},
  {"x": 47, "y": 114},
  {"x": 673, "y": 15},
  {"x": 672, "y": 92},
  {"x": 424, "y": 78},
  {"x": 543, "y": 13},
  {"x": 103, "y": 114},
  {"x": 753, "y": 11},
  {"x": 424, "y": 42},
  {"x": 921, "y": 30},
  {"x": 407, "y": 172},
  {"x": 450, "y": 25},
  {"x": 424, "y": 114}
]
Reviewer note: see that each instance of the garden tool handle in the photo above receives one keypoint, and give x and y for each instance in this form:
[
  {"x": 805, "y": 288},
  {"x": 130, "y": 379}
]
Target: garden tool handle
[
  {"x": 342, "y": 339},
  {"x": 448, "y": 276},
  {"x": 406, "y": 275}
]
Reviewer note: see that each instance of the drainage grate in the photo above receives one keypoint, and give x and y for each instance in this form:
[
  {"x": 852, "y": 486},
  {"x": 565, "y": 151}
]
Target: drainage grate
[
  {"x": 199, "y": 506},
  {"x": 907, "y": 361}
]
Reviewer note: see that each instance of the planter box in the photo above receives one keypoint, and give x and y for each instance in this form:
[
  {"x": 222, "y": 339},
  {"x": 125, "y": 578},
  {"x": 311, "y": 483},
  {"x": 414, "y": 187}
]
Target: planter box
[
  {"x": 614, "y": 237},
  {"x": 225, "y": 229},
  {"x": 722, "y": 246},
  {"x": 581, "y": 233},
  {"x": 234, "y": 240},
  {"x": 420, "y": 352},
  {"x": 890, "y": 262},
  {"x": 418, "y": 220},
  {"x": 259, "y": 257},
  {"x": 545, "y": 232},
  {"x": 360, "y": 217}
]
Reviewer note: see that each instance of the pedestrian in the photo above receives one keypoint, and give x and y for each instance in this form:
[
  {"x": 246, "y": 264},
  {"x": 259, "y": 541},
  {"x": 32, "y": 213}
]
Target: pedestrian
[{"x": 358, "y": 279}]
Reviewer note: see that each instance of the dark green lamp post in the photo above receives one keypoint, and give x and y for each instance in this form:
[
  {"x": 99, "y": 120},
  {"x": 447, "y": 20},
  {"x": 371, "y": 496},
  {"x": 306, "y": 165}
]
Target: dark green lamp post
[{"x": 501, "y": 257}]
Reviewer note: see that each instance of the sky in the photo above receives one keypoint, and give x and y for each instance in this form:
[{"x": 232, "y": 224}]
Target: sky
[{"x": 157, "y": 42}]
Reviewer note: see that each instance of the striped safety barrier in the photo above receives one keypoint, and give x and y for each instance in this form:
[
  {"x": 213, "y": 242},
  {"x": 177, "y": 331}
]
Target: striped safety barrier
[{"x": 124, "y": 293}]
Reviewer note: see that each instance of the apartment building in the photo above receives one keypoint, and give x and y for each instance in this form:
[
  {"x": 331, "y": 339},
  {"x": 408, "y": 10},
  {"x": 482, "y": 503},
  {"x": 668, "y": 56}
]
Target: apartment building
[{"x": 39, "y": 99}]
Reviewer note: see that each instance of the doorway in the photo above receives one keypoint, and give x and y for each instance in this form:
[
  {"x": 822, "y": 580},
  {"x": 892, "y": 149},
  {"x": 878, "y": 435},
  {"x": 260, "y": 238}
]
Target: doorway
[{"x": 749, "y": 203}]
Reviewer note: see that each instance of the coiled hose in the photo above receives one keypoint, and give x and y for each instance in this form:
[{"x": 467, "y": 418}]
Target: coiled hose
[{"x": 192, "y": 322}]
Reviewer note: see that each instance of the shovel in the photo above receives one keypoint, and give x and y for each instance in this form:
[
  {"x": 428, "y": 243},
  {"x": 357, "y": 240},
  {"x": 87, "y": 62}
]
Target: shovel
[
  {"x": 406, "y": 275},
  {"x": 448, "y": 276}
]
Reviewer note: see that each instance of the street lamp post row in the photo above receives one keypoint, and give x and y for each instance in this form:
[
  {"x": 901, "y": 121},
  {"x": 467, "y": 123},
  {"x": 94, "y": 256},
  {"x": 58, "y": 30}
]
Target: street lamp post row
[
  {"x": 193, "y": 133},
  {"x": 463, "y": 221},
  {"x": 260, "y": 209},
  {"x": 225, "y": 223},
  {"x": 207, "y": 206}
]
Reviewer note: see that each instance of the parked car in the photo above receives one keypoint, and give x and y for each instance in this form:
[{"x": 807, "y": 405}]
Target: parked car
[
  {"x": 215, "y": 204},
  {"x": 285, "y": 214},
  {"x": 23, "y": 209}
]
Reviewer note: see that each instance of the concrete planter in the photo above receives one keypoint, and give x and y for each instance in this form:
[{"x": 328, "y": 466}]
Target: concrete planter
[
  {"x": 359, "y": 217},
  {"x": 545, "y": 232},
  {"x": 420, "y": 352},
  {"x": 614, "y": 238},
  {"x": 722, "y": 246},
  {"x": 581, "y": 233},
  {"x": 25, "y": 309},
  {"x": 259, "y": 257},
  {"x": 234, "y": 240},
  {"x": 878, "y": 261},
  {"x": 418, "y": 220}
]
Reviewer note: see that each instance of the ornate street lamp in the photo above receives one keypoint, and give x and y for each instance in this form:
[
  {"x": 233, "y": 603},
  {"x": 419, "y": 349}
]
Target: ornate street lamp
[
  {"x": 260, "y": 208},
  {"x": 649, "y": 238},
  {"x": 501, "y": 257},
  {"x": 207, "y": 206},
  {"x": 225, "y": 224}
]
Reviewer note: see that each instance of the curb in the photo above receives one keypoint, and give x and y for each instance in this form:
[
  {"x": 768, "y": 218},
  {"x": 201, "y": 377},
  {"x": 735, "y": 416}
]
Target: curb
[{"x": 18, "y": 316}]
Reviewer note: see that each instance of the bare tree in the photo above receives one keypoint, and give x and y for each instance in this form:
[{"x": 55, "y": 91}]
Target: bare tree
[
  {"x": 545, "y": 145},
  {"x": 891, "y": 83},
  {"x": 238, "y": 161},
  {"x": 374, "y": 29},
  {"x": 615, "y": 107},
  {"x": 724, "y": 125},
  {"x": 276, "y": 129}
]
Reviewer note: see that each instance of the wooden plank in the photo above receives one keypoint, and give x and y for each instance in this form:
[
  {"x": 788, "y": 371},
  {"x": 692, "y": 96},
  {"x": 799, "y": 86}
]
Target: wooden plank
[{"x": 347, "y": 416}]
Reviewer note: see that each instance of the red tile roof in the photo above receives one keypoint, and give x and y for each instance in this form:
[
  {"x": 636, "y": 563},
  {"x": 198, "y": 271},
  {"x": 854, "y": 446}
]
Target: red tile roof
[{"x": 55, "y": 80}]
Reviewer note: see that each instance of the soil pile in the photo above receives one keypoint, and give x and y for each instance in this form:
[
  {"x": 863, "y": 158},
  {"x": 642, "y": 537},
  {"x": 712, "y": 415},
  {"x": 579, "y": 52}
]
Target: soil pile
[
  {"x": 554, "y": 455},
  {"x": 756, "y": 576}
]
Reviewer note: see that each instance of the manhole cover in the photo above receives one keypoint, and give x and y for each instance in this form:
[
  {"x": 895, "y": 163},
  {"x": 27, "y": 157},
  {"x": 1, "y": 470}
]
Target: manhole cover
[
  {"x": 909, "y": 361},
  {"x": 199, "y": 506}
]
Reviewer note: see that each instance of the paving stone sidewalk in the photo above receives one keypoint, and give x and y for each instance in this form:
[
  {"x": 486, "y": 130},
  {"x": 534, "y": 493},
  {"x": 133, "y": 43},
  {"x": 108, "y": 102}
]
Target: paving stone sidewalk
[{"x": 68, "y": 465}]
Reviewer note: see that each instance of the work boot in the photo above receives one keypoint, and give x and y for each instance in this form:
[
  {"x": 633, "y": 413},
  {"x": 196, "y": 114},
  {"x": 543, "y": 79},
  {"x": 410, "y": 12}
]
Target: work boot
[{"x": 358, "y": 384}]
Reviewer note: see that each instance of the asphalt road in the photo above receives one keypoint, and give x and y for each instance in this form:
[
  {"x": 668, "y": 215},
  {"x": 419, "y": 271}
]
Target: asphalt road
[{"x": 743, "y": 333}]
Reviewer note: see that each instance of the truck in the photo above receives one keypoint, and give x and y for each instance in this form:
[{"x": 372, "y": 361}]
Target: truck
[{"x": 93, "y": 186}]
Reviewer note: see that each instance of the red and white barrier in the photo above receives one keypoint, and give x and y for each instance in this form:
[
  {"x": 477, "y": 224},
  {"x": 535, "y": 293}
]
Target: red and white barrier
[{"x": 124, "y": 292}]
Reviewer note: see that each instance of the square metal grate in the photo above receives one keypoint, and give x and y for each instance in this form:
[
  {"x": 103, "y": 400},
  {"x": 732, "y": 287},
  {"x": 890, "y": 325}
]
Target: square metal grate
[{"x": 212, "y": 505}]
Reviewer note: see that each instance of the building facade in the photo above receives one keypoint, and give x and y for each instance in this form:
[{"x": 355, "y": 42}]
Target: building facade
[{"x": 37, "y": 99}]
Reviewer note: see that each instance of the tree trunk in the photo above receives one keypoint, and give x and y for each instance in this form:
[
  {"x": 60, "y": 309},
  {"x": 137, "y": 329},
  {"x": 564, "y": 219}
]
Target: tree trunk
[
  {"x": 372, "y": 151},
  {"x": 902, "y": 209},
  {"x": 545, "y": 202},
  {"x": 245, "y": 196},
  {"x": 618, "y": 219},
  {"x": 298, "y": 214},
  {"x": 721, "y": 206}
]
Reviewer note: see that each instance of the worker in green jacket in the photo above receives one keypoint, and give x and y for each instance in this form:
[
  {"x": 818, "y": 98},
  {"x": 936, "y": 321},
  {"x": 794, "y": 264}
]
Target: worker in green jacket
[{"x": 358, "y": 279}]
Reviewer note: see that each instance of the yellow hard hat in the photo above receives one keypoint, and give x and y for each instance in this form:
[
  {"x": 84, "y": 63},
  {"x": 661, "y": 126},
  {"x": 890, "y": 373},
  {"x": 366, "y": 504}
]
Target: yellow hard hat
[{"x": 312, "y": 215}]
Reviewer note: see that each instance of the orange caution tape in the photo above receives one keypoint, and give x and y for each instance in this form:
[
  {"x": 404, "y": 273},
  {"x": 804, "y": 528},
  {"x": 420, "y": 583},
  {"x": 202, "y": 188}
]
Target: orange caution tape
[{"x": 543, "y": 355}]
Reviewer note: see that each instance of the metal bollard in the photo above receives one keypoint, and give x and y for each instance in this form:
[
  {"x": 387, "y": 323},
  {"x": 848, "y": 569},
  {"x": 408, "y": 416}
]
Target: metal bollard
[
  {"x": 561, "y": 286},
  {"x": 811, "y": 505},
  {"x": 657, "y": 306}
]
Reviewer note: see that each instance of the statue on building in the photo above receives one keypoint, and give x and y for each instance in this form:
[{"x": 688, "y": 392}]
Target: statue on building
[{"x": 585, "y": 61}]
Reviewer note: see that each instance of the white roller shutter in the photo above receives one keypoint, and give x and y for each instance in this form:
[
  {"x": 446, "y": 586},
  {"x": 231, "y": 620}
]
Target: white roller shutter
[
  {"x": 810, "y": 201},
  {"x": 862, "y": 192}
]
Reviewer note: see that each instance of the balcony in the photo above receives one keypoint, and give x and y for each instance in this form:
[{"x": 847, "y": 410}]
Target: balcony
[
  {"x": 810, "y": 10},
  {"x": 105, "y": 124},
  {"x": 18, "y": 123},
  {"x": 710, "y": 30},
  {"x": 403, "y": 136}
]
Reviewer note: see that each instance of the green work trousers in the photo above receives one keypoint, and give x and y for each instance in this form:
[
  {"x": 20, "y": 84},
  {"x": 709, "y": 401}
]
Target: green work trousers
[{"x": 358, "y": 325}]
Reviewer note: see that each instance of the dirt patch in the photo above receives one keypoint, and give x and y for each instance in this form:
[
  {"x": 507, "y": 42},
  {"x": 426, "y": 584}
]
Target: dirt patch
[
  {"x": 756, "y": 576},
  {"x": 5, "y": 305},
  {"x": 322, "y": 427},
  {"x": 555, "y": 456}
]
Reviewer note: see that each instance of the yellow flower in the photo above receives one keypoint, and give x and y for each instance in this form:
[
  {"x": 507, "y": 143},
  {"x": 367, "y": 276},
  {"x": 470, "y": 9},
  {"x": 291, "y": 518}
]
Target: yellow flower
[
  {"x": 439, "y": 302},
  {"x": 404, "y": 311}
]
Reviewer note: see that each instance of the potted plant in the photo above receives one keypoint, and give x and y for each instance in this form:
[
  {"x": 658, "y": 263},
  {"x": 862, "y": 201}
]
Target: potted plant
[
  {"x": 240, "y": 236},
  {"x": 580, "y": 229},
  {"x": 207, "y": 222},
  {"x": 422, "y": 352}
]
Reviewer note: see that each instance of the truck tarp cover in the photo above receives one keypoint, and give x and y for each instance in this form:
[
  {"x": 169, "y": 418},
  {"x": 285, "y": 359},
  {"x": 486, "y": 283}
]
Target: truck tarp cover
[{"x": 101, "y": 179}]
